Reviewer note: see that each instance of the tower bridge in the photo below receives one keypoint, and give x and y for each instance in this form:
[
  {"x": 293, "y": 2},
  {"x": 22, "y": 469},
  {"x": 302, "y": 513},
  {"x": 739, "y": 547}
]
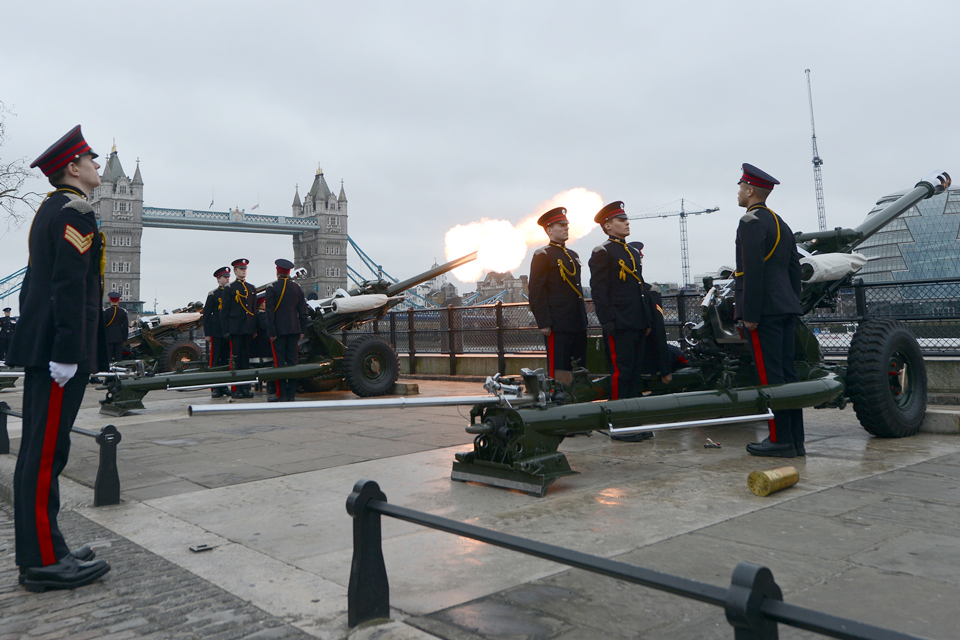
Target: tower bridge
[{"x": 317, "y": 226}]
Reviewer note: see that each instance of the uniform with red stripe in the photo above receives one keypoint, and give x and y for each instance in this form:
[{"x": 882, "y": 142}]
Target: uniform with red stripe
[
  {"x": 287, "y": 319},
  {"x": 616, "y": 283},
  {"x": 239, "y": 320},
  {"x": 117, "y": 327},
  {"x": 767, "y": 294},
  {"x": 61, "y": 322},
  {"x": 212, "y": 326},
  {"x": 556, "y": 298}
]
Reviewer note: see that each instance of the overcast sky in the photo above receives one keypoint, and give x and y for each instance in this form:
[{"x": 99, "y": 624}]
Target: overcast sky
[{"x": 441, "y": 113}]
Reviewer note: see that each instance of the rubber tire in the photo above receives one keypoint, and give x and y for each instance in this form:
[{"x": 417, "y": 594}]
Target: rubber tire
[
  {"x": 176, "y": 352},
  {"x": 880, "y": 411},
  {"x": 360, "y": 355}
]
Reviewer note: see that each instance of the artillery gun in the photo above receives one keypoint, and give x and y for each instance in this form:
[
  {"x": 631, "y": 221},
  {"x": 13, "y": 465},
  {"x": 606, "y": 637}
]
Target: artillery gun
[
  {"x": 519, "y": 427},
  {"x": 368, "y": 365}
]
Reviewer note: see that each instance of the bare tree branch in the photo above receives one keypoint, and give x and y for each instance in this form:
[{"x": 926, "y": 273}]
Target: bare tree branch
[{"x": 15, "y": 203}]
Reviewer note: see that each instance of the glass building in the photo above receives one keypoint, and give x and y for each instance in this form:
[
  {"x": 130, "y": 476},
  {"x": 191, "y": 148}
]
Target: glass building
[{"x": 923, "y": 243}]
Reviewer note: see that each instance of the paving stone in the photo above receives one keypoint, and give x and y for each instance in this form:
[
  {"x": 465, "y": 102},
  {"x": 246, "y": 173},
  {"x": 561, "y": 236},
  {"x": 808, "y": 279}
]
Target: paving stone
[{"x": 132, "y": 601}]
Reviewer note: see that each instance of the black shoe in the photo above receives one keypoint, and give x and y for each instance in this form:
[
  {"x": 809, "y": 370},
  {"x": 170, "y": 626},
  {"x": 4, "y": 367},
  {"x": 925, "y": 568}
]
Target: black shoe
[
  {"x": 83, "y": 554},
  {"x": 801, "y": 451},
  {"x": 772, "y": 449},
  {"x": 275, "y": 399},
  {"x": 67, "y": 573},
  {"x": 216, "y": 393},
  {"x": 633, "y": 437}
]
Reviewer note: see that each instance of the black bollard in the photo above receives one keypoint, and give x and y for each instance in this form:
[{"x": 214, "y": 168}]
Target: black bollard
[
  {"x": 368, "y": 594},
  {"x": 750, "y": 586},
  {"x": 106, "y": 489}
]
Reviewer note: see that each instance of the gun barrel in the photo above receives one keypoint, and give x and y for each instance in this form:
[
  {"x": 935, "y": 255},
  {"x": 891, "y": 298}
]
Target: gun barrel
[
  {"x": 372, "y": 403},
  {"x": 931, "y": 185},
  {"x": 400, "y": 287}
]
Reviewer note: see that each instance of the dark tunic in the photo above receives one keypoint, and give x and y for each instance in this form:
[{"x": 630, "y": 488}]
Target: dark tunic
[
  {"x": 557, "y": 302},
  {"x": 117, "y": 325},
  {"x": 212, "y": 312},
  {"x": 286, "y": 308},
  {"x": 616, "y": 278},
  {"x": 768, "y": 266},
  {"x": 239, "y": 314}
]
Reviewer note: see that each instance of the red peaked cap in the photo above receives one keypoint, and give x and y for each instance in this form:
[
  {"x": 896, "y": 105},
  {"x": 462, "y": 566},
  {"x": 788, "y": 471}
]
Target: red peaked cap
[
  {"x": 222, "y": 271},
  {"x": 114, "y": 296},
  {"x": 612, "y": 210},
  {"x": 553, "y": 216},
  {"x": 757, "y": 177},
  {"x": 64, "y": 151},
  {"x": 240, "y": 262},
  {"x": 283, "y": 266}
]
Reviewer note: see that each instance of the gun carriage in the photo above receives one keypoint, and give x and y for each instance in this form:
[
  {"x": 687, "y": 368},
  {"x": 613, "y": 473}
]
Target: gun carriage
[
  {"x": 519, "y": 427},
  {"x": 368, "y": 365}
]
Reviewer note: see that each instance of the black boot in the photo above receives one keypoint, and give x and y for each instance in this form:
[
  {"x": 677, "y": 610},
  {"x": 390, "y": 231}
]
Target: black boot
[{"x": 66, "y": 573}]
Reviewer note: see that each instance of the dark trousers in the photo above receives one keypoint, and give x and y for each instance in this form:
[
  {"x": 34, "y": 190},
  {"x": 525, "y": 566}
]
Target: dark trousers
[
  {"x": 48, "y": 414},
  {"x": 285, "y": 355},
  {"x": 240, "y": 348},
  {"x": 625, "y": 359},
  {"x": 4, "y": 345},
  {"x": 219, "y": 351},
  {"x": 774, "y": 350},
  {"x": 114, "y": 351},
  {"x": 564, "y": 348}
]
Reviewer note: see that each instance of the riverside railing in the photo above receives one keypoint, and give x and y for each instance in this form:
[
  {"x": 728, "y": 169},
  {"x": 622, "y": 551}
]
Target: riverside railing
[
  {"x": 753, "y": 602},
  {"x": 106, "y": 488},
  {"x": 930, "y": 309}
]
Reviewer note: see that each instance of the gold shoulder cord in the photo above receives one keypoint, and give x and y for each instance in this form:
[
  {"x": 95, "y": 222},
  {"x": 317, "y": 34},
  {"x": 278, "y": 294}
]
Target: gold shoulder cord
[
  {"x": 624, "y": 269},
  {"x": 112, "y": 317},
  {"x": 565, "y": 273},
  {"x": 246, "y": 293},
  {"x": 282, "y": 291},
  {"x": 737, "y": 274}
]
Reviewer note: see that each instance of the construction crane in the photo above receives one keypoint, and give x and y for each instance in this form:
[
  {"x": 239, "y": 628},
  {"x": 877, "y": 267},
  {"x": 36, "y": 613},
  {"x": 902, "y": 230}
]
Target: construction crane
[
  {"x": 684, "y": 250},
  {"x": 817, "y": 179}
]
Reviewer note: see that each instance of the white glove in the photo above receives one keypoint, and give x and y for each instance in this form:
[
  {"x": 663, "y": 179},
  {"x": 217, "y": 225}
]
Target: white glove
[{"x": 61, "y": 373}]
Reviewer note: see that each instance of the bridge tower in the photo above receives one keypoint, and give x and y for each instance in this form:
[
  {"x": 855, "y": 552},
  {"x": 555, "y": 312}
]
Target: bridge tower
[
  {"x": 118, "y": 203},
  {"x": 322, "y": 252}
]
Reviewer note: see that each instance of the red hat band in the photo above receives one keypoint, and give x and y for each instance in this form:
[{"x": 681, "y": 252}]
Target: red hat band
[{"x": 756, "y": 182}]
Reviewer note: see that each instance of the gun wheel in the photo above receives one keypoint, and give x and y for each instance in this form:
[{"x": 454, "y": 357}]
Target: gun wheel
[
  {"x": 176, "y": 352},
  {"x": 887, "y": 379},
  {"x": 370, "y": 366}
]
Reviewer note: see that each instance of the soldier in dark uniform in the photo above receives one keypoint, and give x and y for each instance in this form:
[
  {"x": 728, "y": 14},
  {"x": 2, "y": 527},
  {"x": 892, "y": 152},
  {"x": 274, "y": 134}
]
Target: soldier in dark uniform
[
  {"x": 59, "y": 341},
  {"x": 287, "y": 319},
  {"x": 239, "y": 320},
  {"x": 213, "y": 329},
  {"x": 767, "y": 290},
  {"x": 616, "y": 281},
  {"x": 556, "y": 298},
  {"x": 6, "y": 332},
  {"x": 117, "y": 327}
]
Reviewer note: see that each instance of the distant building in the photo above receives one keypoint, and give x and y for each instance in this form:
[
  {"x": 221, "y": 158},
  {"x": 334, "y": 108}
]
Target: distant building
[
  {"x": 323, "y": 253},
  {"x": 504, "y": 285},
  {"x": 922, "y": 243},
  {"x": 118, "y": 204}
]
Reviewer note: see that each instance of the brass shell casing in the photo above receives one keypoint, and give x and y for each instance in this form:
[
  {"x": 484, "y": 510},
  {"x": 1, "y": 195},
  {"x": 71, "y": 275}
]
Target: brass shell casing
[{"x": 763, "y": 483}]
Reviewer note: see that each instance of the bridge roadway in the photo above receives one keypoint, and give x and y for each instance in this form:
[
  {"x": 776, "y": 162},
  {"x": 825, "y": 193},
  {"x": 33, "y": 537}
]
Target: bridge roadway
[
  {"x": 871, "y": 532},
  {"x": 226, "y": 221}
]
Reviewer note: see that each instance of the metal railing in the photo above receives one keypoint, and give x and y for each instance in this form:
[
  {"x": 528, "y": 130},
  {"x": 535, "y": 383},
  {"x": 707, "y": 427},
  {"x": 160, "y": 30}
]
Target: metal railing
[
  {"x": 753, "y": 602},
  {"x": 930, "y": 309},
  {"x": 106, "y": 488}
]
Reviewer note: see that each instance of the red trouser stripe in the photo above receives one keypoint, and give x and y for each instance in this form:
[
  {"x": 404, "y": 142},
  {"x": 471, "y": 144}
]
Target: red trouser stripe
[
  {"x": 615, "y": 374},
  {"x": 275, "y": 365},
  {"x": 234, "y": 387},
  {"x": 551, "y": 362},
  {"x": 45, "y": 477},
  {"x": 762, "y": 370}
]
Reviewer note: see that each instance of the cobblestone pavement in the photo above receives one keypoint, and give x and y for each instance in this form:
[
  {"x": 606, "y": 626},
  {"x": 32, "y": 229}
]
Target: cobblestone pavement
[{"x": 144, "y": 596}]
